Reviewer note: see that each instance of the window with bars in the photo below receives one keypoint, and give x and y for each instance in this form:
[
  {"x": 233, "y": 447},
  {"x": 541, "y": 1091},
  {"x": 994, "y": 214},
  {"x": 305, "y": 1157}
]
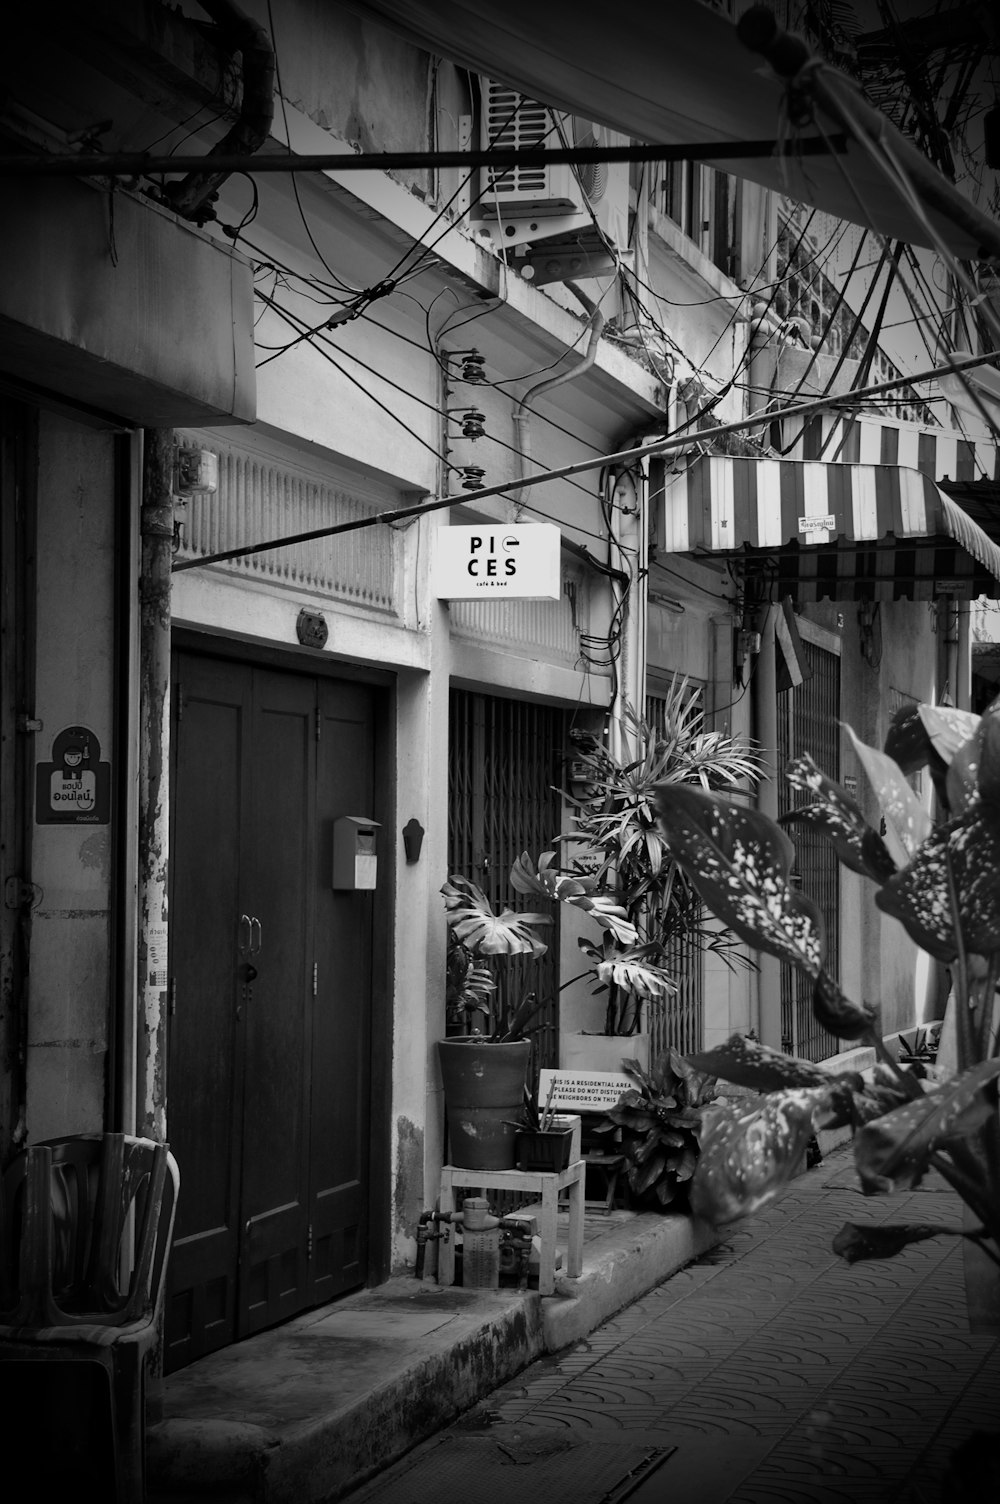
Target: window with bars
[
  {"x": 681, "y": 1022},
  {"x": 505, "y": 761},
  {"x": 808, "y": 721}
]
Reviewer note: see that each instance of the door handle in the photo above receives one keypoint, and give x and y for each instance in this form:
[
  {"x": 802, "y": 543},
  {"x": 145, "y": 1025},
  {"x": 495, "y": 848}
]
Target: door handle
[
  {"x": 246, "y": 935},
  {"x": 255, "y": 924}
]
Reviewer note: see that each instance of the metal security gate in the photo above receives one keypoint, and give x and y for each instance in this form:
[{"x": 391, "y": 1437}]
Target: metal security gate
[
  {"x": 680, "y": 1022},
  {"x": 809, "y": 721},
  {"x": 505, "y": 760}
]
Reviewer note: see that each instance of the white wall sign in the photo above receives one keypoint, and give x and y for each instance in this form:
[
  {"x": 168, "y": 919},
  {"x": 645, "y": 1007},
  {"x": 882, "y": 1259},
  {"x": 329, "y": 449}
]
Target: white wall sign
[
  {"x": 583, "y": 1091},
  {"x": 490, "y": 560}
]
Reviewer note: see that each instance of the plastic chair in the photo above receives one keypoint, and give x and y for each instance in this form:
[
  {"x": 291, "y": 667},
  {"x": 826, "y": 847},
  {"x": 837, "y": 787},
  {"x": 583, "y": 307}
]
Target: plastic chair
[{"x": 86, "y": 1225}]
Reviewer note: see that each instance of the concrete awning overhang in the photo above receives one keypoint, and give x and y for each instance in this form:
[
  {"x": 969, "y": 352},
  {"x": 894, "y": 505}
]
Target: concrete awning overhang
[
  {"x": 680, "y": 74},
  {"x": 842, "y": 532},
  {"x": 117, "y": 306}
]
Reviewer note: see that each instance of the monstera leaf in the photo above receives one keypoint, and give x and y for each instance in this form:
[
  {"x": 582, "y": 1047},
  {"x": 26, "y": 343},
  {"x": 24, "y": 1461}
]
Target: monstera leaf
[
  {"x": 919, "y": 896},
  {"x": 908, "y": 823},
  {"x": 893, "y": 1152},
  {"x": 838, "y": 819},
  {"x": 470, "y": 916},
  {"x": 748, "y": 1155},
  {"x": 546, "y": 879},
  {"x": 739, "y": 862},
  {"x": 633, "y": 970},
  {"x": 746, "y": 1062}
]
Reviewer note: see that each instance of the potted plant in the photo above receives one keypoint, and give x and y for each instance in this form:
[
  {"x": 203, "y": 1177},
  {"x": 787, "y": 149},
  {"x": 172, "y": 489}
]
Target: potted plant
[
  {"x": 543, "y": 1138},
  {"x": 942, "y": 881},
  {"x": 616, "y": 838},
  {"x": 484, "y": 1062},
  {"x": 657, "y": 1124}
]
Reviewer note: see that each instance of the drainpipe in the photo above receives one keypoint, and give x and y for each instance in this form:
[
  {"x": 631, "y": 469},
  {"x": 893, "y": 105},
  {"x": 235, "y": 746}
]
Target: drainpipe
[
  {"x": 628, "y": 533},
  {"x": 192, "y": 196},
  {"x": 963, "y": 673},
  {"x": 762, "y": 367},
  {"x": 522, "y": 417},
  {"x": 765, "y": 707},
  {"x": 157, "y": 533},
  {"x": 949, "y": 693}
]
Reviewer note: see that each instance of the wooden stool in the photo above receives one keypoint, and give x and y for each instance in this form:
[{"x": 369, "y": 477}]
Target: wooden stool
[
  {"x": 547, "y": 1186},
  {"x": 610, "y": 1166}
]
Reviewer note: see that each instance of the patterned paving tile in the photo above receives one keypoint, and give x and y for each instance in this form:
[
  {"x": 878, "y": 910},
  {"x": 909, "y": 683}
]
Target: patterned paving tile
[{"x": 778, "y": 1373}]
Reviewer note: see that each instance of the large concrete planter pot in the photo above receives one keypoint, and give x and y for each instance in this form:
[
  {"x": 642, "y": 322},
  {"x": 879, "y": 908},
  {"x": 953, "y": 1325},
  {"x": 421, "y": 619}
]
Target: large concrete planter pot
[
  {"x": 601, "y": 1053},
  {"x": 483, "y": 1096}
]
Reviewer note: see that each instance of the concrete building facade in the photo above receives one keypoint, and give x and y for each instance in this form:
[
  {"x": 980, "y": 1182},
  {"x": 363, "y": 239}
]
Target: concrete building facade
[{"x": 199, "y": 370}]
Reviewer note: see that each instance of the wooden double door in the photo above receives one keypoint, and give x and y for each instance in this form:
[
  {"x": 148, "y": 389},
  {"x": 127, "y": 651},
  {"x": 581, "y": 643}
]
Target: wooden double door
[{"x": 269, "y": 1021}]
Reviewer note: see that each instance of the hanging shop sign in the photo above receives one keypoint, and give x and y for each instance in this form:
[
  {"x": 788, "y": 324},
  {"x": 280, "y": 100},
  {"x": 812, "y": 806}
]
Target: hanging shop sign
[
  {"x": 490, "y": 560},
  {"x": 75, "y": 787}
]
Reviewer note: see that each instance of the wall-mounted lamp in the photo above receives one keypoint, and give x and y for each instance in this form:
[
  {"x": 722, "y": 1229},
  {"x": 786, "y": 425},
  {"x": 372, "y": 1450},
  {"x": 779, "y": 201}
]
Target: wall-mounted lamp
[{"x": 413, "y": 839}]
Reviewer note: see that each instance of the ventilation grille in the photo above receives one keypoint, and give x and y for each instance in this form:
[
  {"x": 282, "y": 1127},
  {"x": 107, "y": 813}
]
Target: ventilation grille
[
  {"x": 514, "y": 123},
  {"x": 547, "y": 630}
]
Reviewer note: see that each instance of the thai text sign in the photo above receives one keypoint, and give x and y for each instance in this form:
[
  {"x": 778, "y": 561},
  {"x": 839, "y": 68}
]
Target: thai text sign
[
  {"x": 583, "y": 1091},
  {"x": 492, "y": 560}
]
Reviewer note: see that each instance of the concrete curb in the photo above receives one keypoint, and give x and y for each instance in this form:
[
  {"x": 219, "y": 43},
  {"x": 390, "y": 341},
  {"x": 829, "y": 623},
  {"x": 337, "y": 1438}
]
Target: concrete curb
[
  {"x": 618, "y": 1267},
  {"x": 312, "y": 1410}
]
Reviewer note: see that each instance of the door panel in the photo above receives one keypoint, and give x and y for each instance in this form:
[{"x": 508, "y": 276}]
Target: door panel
[
  {"x": 342, "y": 1017},
  {"x": 204, "y": 1101},
  {"x": 268, "y": 1094},
  {"x": 278, "y": 898}
]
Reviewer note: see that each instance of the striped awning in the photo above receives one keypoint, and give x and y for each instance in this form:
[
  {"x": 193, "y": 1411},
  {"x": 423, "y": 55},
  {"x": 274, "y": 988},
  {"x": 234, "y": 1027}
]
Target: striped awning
[{"x": 845, "y": 532}]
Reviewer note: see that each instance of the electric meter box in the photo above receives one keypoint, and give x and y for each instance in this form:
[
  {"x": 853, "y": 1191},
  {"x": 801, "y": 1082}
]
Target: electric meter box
[{"x": 355, "y": 860}]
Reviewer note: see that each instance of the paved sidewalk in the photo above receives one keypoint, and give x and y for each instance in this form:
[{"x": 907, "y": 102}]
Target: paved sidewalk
[
  {"x": 303, "y": 1413},
  {"x": 768, "y": 1372}
]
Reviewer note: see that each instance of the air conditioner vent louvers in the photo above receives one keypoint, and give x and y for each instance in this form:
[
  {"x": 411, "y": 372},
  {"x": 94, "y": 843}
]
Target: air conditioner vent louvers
[
  {"x": 588, "y": 203},
  {"x": 515, "y": 124}
]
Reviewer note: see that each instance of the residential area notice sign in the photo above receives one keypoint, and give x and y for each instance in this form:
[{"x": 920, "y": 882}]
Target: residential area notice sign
[
  {"x": 583, "y": 1091},
  {"x": 492, "y": 561}
]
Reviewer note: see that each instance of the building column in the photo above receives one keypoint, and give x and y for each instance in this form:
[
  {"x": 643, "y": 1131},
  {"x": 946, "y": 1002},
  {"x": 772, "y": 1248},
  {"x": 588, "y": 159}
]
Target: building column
[
  {"x": 766, "y": 732},
  {"x": 157, "y": 528}
]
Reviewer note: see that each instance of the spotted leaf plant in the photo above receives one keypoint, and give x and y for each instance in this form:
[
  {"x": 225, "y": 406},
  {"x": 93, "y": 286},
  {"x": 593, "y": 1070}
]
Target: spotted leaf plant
[{"x": 942, "y": 882}]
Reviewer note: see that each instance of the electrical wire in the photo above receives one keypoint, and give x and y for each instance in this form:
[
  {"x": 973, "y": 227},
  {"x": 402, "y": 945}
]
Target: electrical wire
[
  {"x": 313, "y": 337},
  {"x": 309, "y": 334},
  {"x": 343, "y": 286},
  {"x": 883, "y": 157},
  {"x": 456, "y": 469}
]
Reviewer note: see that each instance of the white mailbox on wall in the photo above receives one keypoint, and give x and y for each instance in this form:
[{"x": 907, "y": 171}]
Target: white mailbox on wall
[{"x": 355, "y": 859}]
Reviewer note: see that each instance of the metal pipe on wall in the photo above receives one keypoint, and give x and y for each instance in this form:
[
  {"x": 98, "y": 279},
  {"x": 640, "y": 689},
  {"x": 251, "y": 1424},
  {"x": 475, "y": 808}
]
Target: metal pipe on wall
[
  {"x": 765, "y": 704},
  {"x": 157, "y": 534}
]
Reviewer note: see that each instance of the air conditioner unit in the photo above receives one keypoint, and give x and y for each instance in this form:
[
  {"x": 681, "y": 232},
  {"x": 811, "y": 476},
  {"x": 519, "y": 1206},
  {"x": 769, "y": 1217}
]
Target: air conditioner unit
[
  {"x": 512, "y": 122},
  {"x": 522, "y": 199}
]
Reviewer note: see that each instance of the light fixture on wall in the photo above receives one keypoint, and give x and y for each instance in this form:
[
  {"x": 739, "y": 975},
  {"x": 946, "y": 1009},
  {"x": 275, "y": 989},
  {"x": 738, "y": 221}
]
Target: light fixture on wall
[{"x": 413, "y": 839}]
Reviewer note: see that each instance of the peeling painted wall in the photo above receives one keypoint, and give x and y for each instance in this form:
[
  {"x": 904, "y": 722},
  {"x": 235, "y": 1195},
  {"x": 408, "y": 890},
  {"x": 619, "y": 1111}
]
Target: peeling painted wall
[{"x": 70, "y": 942}]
